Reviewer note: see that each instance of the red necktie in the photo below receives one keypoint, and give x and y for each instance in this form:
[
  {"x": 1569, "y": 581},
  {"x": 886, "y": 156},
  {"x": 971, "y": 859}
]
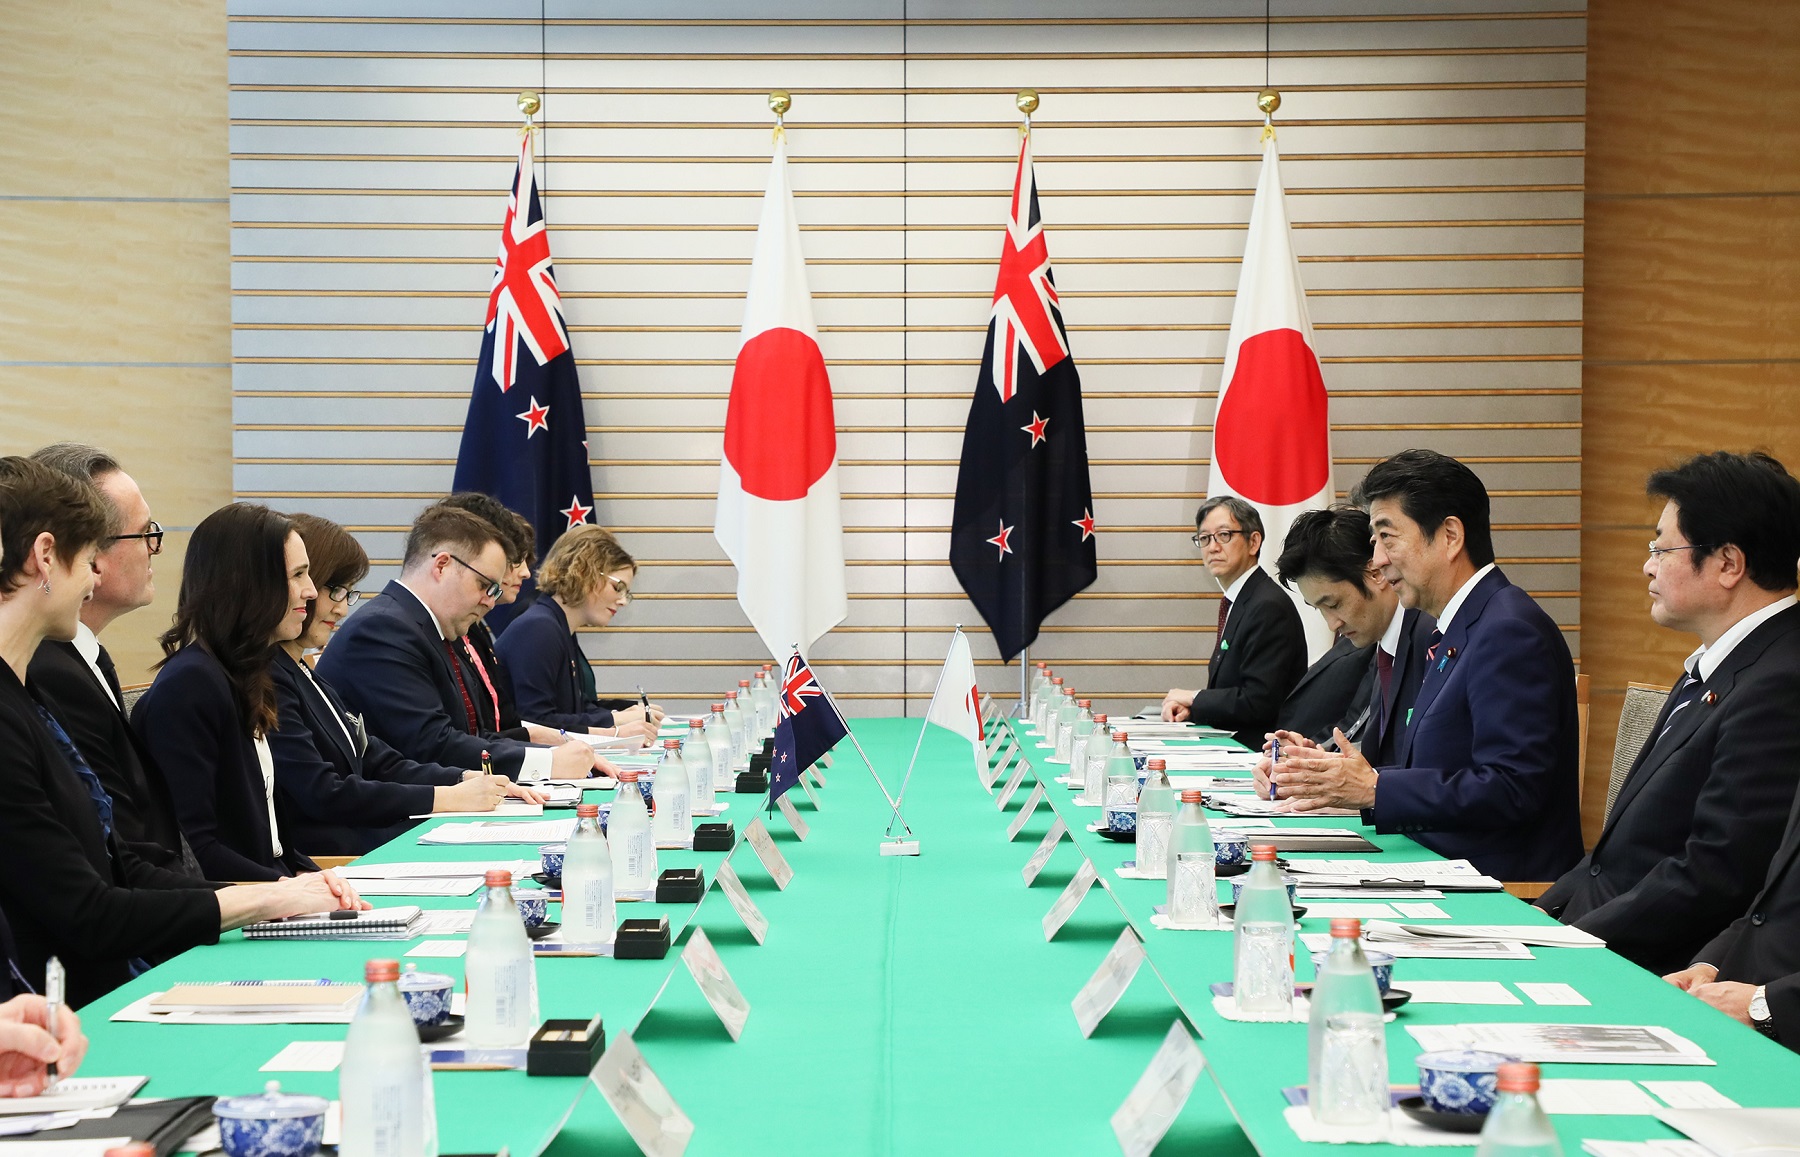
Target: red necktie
[
  {"x": 1384, "y": 671},
  {"x": 468, "y": 703},
  {"x": 1224, "y": 613}
]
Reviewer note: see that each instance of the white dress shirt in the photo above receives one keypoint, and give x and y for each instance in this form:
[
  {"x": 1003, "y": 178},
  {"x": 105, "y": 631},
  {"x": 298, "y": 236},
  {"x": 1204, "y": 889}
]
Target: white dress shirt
[
  {"x": 87, "y": 645},
  {"x": 266, "y": 759},
  {"x": 1710, "y": 658},
  {"x": 1457, "y": 599}
]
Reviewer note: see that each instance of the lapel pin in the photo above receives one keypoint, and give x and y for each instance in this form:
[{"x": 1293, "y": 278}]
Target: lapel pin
[{"x": 1710, "y": 698}]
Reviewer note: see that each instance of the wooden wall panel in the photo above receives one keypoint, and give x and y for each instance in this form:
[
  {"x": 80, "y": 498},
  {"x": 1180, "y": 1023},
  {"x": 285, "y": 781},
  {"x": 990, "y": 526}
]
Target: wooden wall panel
[
  {"x": 115, "y": 287},
  {"x": 1693, "y": 294}
]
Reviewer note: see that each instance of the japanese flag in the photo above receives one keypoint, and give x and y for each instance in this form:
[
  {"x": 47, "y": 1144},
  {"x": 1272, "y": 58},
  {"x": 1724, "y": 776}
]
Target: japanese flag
[{"x": 956, "y": 704}]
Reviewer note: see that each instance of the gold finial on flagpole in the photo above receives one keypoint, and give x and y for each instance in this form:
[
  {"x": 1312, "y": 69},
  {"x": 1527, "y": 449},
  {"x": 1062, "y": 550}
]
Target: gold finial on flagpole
[
  {"x": 779, "y": 102},
  {"x": 529, "y": 104},
  {"x": 1268, "y": 100},
  {"x": 1027, "y": 103}
]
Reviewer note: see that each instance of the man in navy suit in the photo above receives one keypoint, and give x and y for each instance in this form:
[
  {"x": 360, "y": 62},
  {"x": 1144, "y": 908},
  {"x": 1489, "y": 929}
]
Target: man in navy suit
[
  {"x": 1367, "y": 683},
  {"x": 1259, "y": 652},
  {"x": 395, "y": 661},
  {"x": 1486, "y": 768}
]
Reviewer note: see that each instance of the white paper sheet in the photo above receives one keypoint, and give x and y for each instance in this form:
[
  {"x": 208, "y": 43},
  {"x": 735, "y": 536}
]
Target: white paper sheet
[
  {"x": 1548, "y": 992},
  {"x": 75, "y": 1093},
  {"x": 1689, "y": 1095},
  {"x": 1614, "y": 1098},
  {"x": 439, "y": 886},
  {"x": 307, "y": 1056},
  {"x": 1567, "y": 1043},
  {"x": 500, "y": 832},
  {"x": 1459, "y": 992},
  {"x": 448, "y": 949}
]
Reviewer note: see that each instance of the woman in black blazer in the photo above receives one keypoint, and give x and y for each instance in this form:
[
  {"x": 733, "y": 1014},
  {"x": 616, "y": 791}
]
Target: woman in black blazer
[
  {"x": 70, "y": 887},
  {"x": 207, "y": 717},
  {"x": 342, "y": 791}
]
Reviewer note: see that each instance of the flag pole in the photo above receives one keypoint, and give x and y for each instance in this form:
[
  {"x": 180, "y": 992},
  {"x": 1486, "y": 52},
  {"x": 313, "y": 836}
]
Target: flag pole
[
  {"x": 920, "y": 742},
  {"x": 905, "y": 847},
  {"x": 1024, "y": 681}
]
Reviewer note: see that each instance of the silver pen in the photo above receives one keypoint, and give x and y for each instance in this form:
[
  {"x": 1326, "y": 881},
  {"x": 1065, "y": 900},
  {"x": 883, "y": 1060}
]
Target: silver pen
[{"x": 53, "y": 999}]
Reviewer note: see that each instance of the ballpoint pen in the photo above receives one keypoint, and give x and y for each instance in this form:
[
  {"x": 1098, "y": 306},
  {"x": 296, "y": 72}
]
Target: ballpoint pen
[{"x": 53, "y": 998}]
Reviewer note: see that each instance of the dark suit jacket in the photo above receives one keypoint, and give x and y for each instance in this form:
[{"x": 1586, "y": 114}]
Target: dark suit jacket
[
  {"x": 1487, "y": 769},
  {"x": 543, "y": 658},
  {"x": 70, "y": 891},
  {"x": 1700, "y": 815},
  {"x": 388, "y": 663},
  {"x": 343, "y": 794},
  {"x": 1256, "y": 661},
  {"x": 143, "y": 811},
  {"x": 1333, "y": 692},
  {"x": 1763, "y": 945},
  {"x": 500, "y": 710},
  {"x": 1381, "y": 735},
  {"x": 190, "y": 723}
]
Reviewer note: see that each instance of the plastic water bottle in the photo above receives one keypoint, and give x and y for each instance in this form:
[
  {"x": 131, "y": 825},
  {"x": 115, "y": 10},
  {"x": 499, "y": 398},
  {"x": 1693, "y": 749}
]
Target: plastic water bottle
[
  {"x": 384, "y": 1083},
  {"x": 499, "y": 972},
  {"x": 1053, "y": 696},
  {"x": 762, "y": 695},
  {"x": 590, "y": 916},
  {"x": 1065, "y": 723},
  {"x": 1347, "y": 1071},
  {"x": 1039, "y": 682},
  {"x": 697, "y": 757},
  {"x": 734, "y": 726},
  {"x": 673, "y": 822},
  {"x": 1099, "y": 751},
  {"x": 1517, "y": 1127},
  {"x": 628, "y": 833},
  {"x": 1078, "y": 743},
  {"x": 747, "y": 704},
  {"x": 1262, "y": 975},
  {"x": 1193, "y": 896},
  {"x": 718, "y": 741},
  {"x": 1155, "y": 816}
]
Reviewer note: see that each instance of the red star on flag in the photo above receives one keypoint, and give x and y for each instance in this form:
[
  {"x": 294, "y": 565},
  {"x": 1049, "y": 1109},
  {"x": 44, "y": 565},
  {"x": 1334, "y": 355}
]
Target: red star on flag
[
  {"x": 576, "y": 512},
  {"x": 1037, "y": 427},
  {"x": 536, "y": 418},
  {"x": 1086, "y": 523},
  {"x": 1000, "y": 540}
]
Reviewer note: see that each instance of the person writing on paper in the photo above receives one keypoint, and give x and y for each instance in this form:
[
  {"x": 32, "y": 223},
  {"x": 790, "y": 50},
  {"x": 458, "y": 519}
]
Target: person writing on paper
[
  {"x": 1259, "y": 653},
  {"x": 344, "y": 792},
  {"x": 1697, "y": 819},
  {"x": 542, "y": 723},
  {"x": 207, "y": 717},
  {"x": 396, "y": 661},
  {"x": 585, "y": 582},
  {"x": 1485, "y": 769},
  {"x": 27, "y": 1047},
  {"x": 68, "y": 885}
]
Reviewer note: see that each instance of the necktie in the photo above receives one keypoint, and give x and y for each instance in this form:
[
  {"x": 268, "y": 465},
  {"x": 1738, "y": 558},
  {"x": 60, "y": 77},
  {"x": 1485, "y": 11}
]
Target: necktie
[
  {"x": 456, "y": 673},
  {"x": 1436, "y": 638},
  {"x": 486, "y": 681},
  {"x": 105, "y": 663},
  {"x": 103, "y": 805},
  {"x": 1384, "y": 672},
  {"x": 1682, "y": 697},
  {"x": 1224, "y": 613}
]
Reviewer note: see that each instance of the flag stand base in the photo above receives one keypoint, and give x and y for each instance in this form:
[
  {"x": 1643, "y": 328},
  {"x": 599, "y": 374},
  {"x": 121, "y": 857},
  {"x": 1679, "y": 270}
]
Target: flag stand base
[{"x": 900, "y": 847}]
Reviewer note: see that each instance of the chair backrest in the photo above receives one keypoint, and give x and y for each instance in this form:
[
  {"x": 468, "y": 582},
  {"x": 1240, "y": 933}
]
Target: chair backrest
[
  {"x": 1643, "y": 703},
  {"x": 132, "y": 695},
  {"x": 1582, "y": 713}
]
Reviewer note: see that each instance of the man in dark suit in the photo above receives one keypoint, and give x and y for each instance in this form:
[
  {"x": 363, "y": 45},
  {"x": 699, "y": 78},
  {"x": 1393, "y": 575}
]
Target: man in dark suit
[
  {"x": 78, "y": 682},
  {"x": 1690, "y": 836},
  {"x": 1259, "y": 652},
  {"x": 396, "y": 661},
  {"x": 1368, "y": 682},
  {"x": 1486, "y": 767}
]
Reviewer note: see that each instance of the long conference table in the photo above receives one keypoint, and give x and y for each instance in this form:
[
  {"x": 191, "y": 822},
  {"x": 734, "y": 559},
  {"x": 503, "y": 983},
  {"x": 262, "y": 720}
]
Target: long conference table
[{"x": 908, "y": 1005}]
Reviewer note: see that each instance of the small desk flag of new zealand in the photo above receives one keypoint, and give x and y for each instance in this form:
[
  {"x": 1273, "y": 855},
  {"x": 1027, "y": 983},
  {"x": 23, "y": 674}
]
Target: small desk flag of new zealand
[
  {"x": 1022, "y": 535},
  {"x": 809, "y": 726},
  {"x": 525, "y": 439}
]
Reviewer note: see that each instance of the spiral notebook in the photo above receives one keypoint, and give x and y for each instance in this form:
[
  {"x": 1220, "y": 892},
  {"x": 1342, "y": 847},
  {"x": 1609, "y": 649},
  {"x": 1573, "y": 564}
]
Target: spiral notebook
[{"x": 375, "y": 924}]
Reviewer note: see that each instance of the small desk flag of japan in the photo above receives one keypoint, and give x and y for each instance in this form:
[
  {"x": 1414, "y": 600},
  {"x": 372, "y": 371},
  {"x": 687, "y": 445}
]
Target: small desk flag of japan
[
  {"x": 956, "y": 704},
  {"x": 1272, "y": 431},
  {"x": 778, "y": 517},
  {"x": 525, "y": 438},
  {"x": 809, "y": 726}
]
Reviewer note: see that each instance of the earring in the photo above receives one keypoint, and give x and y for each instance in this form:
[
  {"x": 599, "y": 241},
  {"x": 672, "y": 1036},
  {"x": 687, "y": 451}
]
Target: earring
[{"x": 45, "y": 586}]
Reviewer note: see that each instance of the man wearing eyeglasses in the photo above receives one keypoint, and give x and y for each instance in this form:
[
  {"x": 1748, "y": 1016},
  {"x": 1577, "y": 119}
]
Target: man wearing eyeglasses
[
  {"x": 1259, "y": 652},
  {"x": 78, "y": 683},
  {"x": 1692, "y": 830},
  {"x": 396, "y": 660}
]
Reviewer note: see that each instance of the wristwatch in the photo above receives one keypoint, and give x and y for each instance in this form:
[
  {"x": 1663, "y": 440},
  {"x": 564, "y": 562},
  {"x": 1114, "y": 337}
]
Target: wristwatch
[{"x": 1760, "y": 1020}]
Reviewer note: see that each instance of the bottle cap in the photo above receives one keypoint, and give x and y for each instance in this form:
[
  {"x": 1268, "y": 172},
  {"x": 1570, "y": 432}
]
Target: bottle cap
[
  {"x": 626, "y": 775},
  {"x": 1191, "y": 795},
  {"x": 1042, "y": 664},
  {"x": 499, "y": 878},
  {"x": 1346, "y": 928},
  {"x": 1121, "y": 736},
  {"x": 379, "y": 971},
  {"x": 133, "y": 1149},
  {"x": 718, "y": 706},
  {"x": 729, "y": 695},
  {"x": 671, "y": 745},
  {"x": 1517, "y": 1077},
  {"x": 743, "y": 682},
  {"x": 1261, "y": 852},
  {"x": 700, "y": 723},
  {"x": 1056, "y": 679},
  {"x": 1100, "y": 717},
  {"x": 1069, "y": 692},
  {"x": 587, "y": 811},
  {"x": 1156, "y": 765}
]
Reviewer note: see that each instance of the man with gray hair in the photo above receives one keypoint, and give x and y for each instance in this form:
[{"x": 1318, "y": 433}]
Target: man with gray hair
[
  {"x": 1259, "y": 652},
  {"x": 77, "y": 682}
]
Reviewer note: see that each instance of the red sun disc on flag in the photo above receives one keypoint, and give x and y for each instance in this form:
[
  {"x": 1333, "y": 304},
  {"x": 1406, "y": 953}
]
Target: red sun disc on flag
[
  {"x": 780, "y": 436},
  {"x": 1271, "y": 440}
]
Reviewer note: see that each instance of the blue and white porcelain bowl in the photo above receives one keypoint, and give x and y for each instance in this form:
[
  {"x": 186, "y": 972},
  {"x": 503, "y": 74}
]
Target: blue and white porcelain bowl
[
  {"x": 1237, "y": 887},
  {"x": 534, "y": 907},
  {"x": 1381, "y": 963},
  {"x": 1121, "y": 817},
  {"x": 1230, "y": 848},
  {"x": 427, "y": 995},
  {"x": 550, "y": 858},
  {"x": 270, "y": 1124},
  {"x": 1459, "y": 1080}
]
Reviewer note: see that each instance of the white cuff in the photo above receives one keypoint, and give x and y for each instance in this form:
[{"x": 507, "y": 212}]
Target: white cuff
[{"x": 536, "y": 767}]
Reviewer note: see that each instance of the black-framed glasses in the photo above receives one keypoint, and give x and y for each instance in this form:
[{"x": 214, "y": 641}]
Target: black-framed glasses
[
  {"x": 1223, "y": 538},
  {"x": 1656, "y": 552},
  {"x": 343, "y": 594},
  {"x": 493, "y": 588},
  {"x": 152, "y": 535},
  {"x": 622, "y": 586}
]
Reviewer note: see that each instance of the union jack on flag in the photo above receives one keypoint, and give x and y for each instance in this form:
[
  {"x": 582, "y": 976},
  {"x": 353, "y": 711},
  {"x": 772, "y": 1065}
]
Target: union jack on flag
[
  {"x": 1025, "y": 290},
  {"x": 809, "y": 726},
  {"x": 523, "y": 302}
]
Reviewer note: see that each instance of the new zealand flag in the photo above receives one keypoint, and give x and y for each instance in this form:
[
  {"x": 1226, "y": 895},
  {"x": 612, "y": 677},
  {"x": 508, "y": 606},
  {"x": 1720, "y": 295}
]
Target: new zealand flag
[
  {"x": 1022, "y": 536},
  {"x": 525, "y": 439},
  {"x": 809, "y": 726}
]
